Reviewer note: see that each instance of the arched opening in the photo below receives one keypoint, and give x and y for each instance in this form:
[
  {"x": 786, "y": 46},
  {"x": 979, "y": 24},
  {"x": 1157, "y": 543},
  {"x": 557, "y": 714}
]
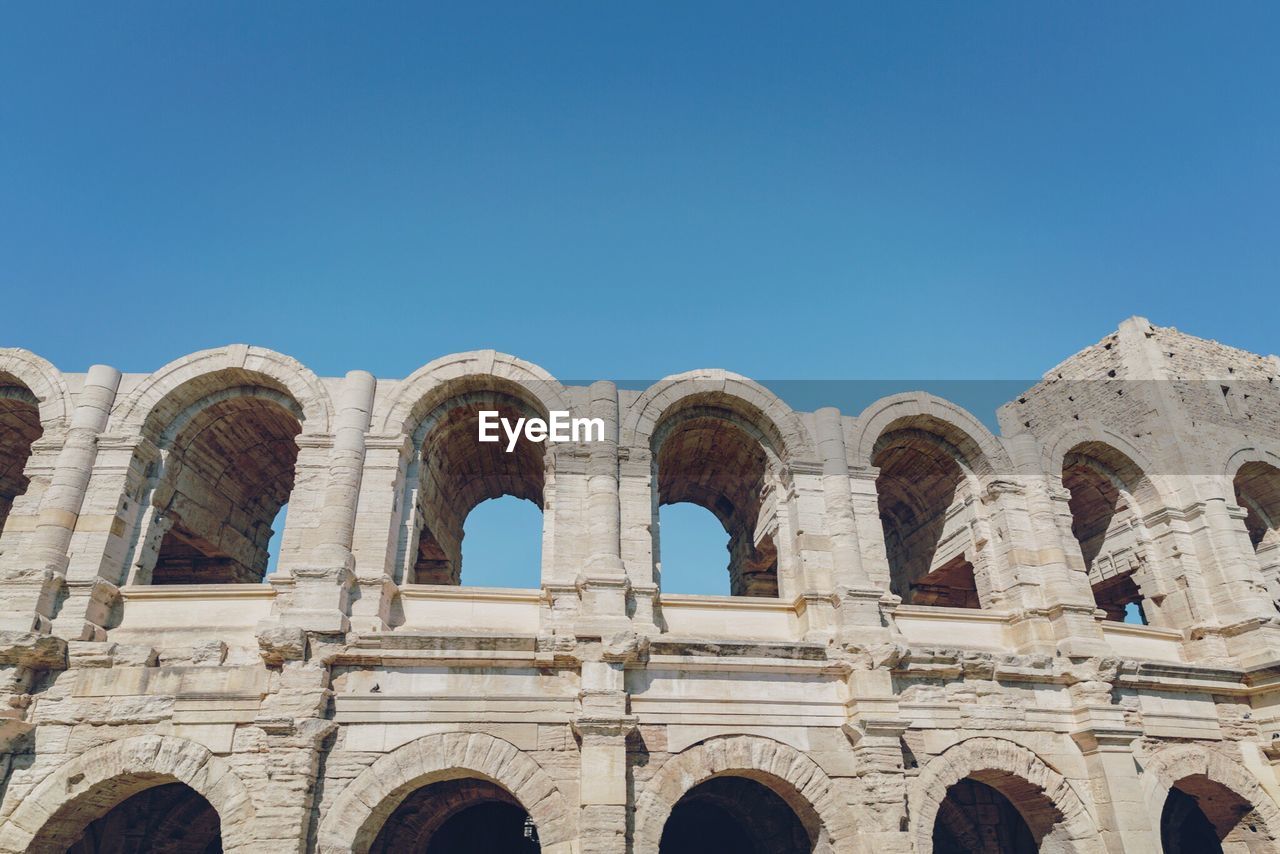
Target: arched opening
[
  {"x": 734, "y": 815},
  {"x": 1041, "y": 798},
  {"x": 276, "y": 541},
  {"x": 1257, "y": 487},
  {"x": 694, "y": 550},
  {"x": 171, "y": 818},
  {"x": 462, "y": 816},
  {"x": 229, "y": 470},
  {"x": 1106, "y": 523},
  {"x": 705, "y": 456},
  {"x": 976, "y": 817},
  {"x": 456, "y": 473},
  {"x": 1201, "y": 816},
  {"x": 926, "y": 510},
  {"x": 19, "y": 428},
  {"x": 502, "y": 543}
]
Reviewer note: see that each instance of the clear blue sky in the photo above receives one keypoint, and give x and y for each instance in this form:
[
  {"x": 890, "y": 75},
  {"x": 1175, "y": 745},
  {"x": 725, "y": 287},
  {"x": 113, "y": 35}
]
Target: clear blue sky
[{"x": 963, "y": 190}]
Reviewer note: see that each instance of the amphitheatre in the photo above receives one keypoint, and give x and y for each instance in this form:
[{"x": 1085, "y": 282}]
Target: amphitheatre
[{"x": 1062, "y": 637}]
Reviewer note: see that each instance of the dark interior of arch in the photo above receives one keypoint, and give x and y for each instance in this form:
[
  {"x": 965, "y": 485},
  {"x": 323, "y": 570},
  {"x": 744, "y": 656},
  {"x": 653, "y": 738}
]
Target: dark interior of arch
[
  {"x": 1257, "y": 487},
  {"x": 976, "y": 818},
  {"x": 1105, "y": 525},
  {"x": 19, "y": 427},
  {"x": 706, "y": 459},
  {"x": 734, "y": 815},
  {"x": 457, "y": 473},
  {"x": 229, "y": 471},
  {"x": 1200, "y": 815},
  {"x": 919, "y": 487},
  {"x": 171, "y": 818},
  {"x": 465, "y": 816}
]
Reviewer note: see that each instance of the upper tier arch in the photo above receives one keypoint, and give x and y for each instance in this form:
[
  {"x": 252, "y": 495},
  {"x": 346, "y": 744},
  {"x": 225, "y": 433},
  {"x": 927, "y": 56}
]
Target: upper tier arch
[
  {"x": 417, "y": 395},
  {"x": 42, "y": 379},
  {"x": 980, "y": 451},
  {"x": 165, "y": 395},
  {"x": 753, "y": 403},
  {"x": 1257, "y": 451},
  {"x": 1124, "y": 459}
]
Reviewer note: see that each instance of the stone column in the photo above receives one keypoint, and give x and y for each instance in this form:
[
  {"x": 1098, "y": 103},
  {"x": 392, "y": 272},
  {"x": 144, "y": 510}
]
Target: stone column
[
  {"x": 866, "y": 513},
  {"x": 31, "y": 588},
  {"x": 869, "y": 633},
  {"x": 1066, "y": 597},
  {"x": 602, "y": 820},
  {"x": 1241, "y": 598},
  {"x": 1012, "y": 573},
  {"x": 638, "y": 498},
  {"x": 29, "y": 600},
  {"x": 318, "y": 599},
  {"x": 346, "y": 463},
  {"x": 117, "y": 506},
  {"x": 382, "y": 514},
  {"x": 875, "y": 729},
  {"x": 291, "y": 732},
  {"x": 1267, "y": 554},
  {"x": 46, "y": 552},
  {"x": 1117, "y": 791},
  {"x": 602, "y": 585},
  {"x": 1106, "y": 741},
  {"x": 1231, "y": 571},
  {"x": 857, "y": 598},
  {"x": 603, "y": 508},
  {"x": 846, "y": 552},
  {"x": 602, "y": 724},
  {"x": 24, "y": 509}
]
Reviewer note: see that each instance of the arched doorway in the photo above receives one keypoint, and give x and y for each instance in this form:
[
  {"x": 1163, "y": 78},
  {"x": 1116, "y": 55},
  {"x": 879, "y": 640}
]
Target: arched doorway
[
  {"x": 19, "y": 428},
  {"x": 778, "y": 773},
  {"x": 1201, "y": 816},
  {"x": 398, "y": 798},
  {"x": 976, "y": 819},
  {"x": 958, "y": 790},
  {"x": 1106, "y": 520},
  {"x": 708, "y": 455},
  {"x": 1257, "y": 489},
  {"x": 229, "y": 471},
  {"x": 927, "y": 508},
  {"x": 171, "y": 818},
  {"x": 57, "y": 812},
  {"x": 464, "y": 816},
  {"x": 733, "y": 815},
  {"x": 453, "y": 474}
]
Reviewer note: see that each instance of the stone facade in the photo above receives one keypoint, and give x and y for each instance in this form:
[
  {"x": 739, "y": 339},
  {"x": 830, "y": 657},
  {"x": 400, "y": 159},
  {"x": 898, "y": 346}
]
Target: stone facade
[{"x": 924, "y": 651}]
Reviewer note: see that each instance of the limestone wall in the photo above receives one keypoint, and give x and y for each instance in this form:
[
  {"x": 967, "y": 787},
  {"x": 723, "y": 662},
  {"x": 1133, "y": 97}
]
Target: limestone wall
[{"x": 360, "y": 699}]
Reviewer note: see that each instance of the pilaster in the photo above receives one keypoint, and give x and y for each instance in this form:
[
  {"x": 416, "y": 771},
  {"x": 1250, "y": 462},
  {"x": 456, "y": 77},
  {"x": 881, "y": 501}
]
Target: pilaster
[
  {"x": 602, "y": 724},
  {"x": 315, "y": 592},
  {"x": 46, "y": 554},
  {"x": 603, "y": 584}
]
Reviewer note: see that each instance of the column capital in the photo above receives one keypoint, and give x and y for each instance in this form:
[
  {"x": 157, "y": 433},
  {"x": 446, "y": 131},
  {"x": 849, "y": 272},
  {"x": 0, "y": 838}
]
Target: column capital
[
  {"x": 865, "y": 729},
  {"x": 1106, "y": 739},
  {"x": 595, "y": 728}
]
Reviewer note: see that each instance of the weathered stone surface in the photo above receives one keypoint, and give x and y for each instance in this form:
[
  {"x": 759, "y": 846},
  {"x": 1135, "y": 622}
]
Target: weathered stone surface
[
  {"x": 279, "y": 644},
  {"x": 923, "y": 649}
]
